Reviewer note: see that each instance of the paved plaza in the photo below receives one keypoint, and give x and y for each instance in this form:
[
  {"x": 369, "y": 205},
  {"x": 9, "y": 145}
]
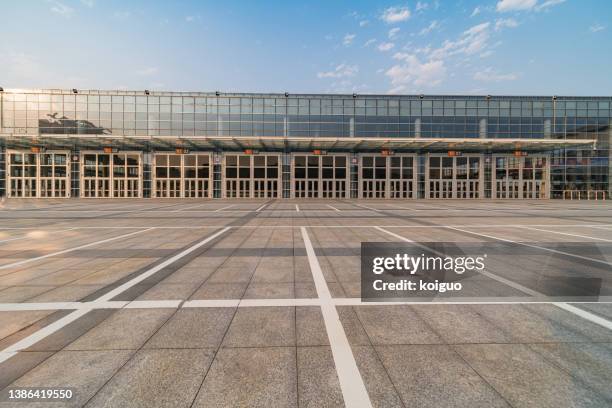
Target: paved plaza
[{"x": 225, "y": 303}]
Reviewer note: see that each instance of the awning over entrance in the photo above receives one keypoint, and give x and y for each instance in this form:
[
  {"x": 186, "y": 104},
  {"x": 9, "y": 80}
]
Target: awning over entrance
[{"x": 277, "y": 143}]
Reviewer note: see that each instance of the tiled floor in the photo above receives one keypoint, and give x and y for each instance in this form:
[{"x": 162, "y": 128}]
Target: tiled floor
[{"x": 227, "y": 303}]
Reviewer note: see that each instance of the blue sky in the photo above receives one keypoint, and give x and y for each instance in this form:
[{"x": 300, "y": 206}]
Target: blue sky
[{"x": 533, "y": 47}]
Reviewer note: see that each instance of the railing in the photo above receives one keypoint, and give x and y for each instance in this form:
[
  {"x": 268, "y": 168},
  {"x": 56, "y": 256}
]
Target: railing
[{"x": 585, "y": 195}]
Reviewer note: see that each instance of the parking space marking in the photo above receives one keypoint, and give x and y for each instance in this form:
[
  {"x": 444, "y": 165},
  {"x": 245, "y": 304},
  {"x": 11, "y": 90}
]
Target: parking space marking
[
  {"x": 566, "y": 233},
  {"x": 586, "y": 258},
  {"x": 27, "y": 236},
  {"x": 261, "y": 208},
  {"x": 351, "y": 383},
  {"x": 65, "y": 251},
  {"x": 297, "y": 208},
  {"x": 59, "y": 324},
  {"x": 224, "y": 208},
  {"x": 585, "y": 315},
  {"x": 332, "y": 207}
]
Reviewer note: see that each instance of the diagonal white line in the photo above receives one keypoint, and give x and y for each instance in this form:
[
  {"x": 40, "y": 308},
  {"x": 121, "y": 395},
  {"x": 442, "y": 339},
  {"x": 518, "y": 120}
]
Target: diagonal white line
[
  {"x": 566, "y": 233},
  {"x": 65, "y": 251},
  {"x": 332, "y": 207},
  {"x": 351, "y": 382},
  {"x": 104, "y": 299},
  {"x": 26, "y": 236}
]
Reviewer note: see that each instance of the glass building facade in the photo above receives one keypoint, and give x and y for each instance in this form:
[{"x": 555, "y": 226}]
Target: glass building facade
[{"x": 125, "y": 114}]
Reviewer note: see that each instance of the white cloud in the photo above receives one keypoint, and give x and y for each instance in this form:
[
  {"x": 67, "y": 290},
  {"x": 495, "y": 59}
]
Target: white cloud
[
  {"x": 596, "y": 27},
  {"x": 476, "y": 11},
  {"x": 501, "y": 23},
  {"x": 472, "y": 41},
  {"x": 348, "y": 39},
  {"x": 515, "y": 5},
  {"x": 369, "y": 42},
  {"x": 385, "y": 46},
  {"x": 341, "y": 71},
  {"x": 393, "y": 32},
  {"x": 147, "y": 71},
  {"x": 490, "y": 75},
  {"x": 549, "y": 3},
  {"x": 421, "y": 6},
  {"x": 526, "y": 5},
  {"x": 410, "y": 71},
  {"x": 363, "y": 23},
  {"x": 88, "y": 3},
  {"x": 395, "y": 15},
  {"x": 122, "y": 15},
  {"x": 61, "y": 9},
  {"x": 432, "y": 26}
]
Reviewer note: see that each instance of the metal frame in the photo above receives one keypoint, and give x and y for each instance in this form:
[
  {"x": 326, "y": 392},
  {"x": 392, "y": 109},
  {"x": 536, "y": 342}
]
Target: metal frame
[
  {"x": 182, "y": 179},
  {"x": 454, "y": 183},
  {"x": 111, "y": 177},
  {"x": 38, "y": 178},
  {"x": 252, "y": 179},
  {"x": 320, "y": 180},
  {"x": 388, "y": 180}
]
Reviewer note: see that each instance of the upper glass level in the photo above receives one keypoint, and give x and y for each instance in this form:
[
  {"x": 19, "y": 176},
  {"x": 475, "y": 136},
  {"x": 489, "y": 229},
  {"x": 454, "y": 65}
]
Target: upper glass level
[{"x": 126, "y": 113}]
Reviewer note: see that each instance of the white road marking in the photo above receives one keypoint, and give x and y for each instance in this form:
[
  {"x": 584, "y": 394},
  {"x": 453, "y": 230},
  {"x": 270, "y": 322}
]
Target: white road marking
[
  {"x": 351, "y": 382},
  {"x": 224, "y": 208},
  {"x": 297, "y": 208},
  {"x": 206, "y": 303},
  {"x": 567, "y": 233},
  {"x": 190, "y": 207},
  {"x": 27, "y": 236},
  {"x": 59, "y": 324},
  {"x": 585, "y": 315},
  {"x": 332, "y": 207},
  {"x": 40, "y": 334},
  {"x": 127, "y": 285},
  {"x": 261, "y": 208},
  {"x": 366, "y": 207},
  {"x": 65, "y": 251},
  {"x": 586, "y": 258}
]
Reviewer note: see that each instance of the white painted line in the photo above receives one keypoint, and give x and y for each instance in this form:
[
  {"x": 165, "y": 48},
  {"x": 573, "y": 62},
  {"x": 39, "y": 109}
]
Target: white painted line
[
  {"x": 127, "y": 285},
  {"x": 393, "y": 234},
  {"x": 261, "y": 208},
  {"x": 332, "y": 207},
  {"x": 586, "y": 258},
  {"x": 366, "y": 207},
  {"x": 212, "y": 303},
  {"x": 153, "y": 304},
  {"x": 187, "y": 208},
  {"x": 224, "y": 208},
  {"x": 13, "y": 307},
  {"x": 297, "y": 208},
  {"x": 585, "y": 315},
  {"x": 104, "y": 299},
  {"x": 566, "y": 233},
  {"x": 33, "y": 238},
  {"x": 65, "y": 251},
  {"x": 279, "y": 302},
  {"x": 351, "y": 382},
  {"x": 40, "y": 334}
]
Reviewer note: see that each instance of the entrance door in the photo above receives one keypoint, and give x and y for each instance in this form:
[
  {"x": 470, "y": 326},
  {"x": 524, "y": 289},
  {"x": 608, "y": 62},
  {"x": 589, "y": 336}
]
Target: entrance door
[
  {"x": 252, "y": 176},
  {"x": 182, "y": 175},
  {"x": 387, "y": 176},
  {"x": 316, "y": 176},
  {"x": 107, "y": 175},
  {"x": 42, "y": 175},
  {"x": 454, "y": 177},
  {"x": 520, "y": 177}
]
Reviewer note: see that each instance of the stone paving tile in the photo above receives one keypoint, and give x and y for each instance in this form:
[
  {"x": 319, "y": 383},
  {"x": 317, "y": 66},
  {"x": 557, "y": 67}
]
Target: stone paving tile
[
  {"x": 270, "y": 291},
  {"x": 15, "y": 294},
  {"x": 541, "y": 323},
  {"x": 353, "y": 328},
  {"x": 590, "y": 362},
  {"x": 220, "y": 291},
  {"x": 169, "y": 291},
  {"x": 436, "y": 376},
  {"x": 526, "y": 379},
  {"x": 193, "y": 328},
  {"x": 254, "y": 377},
  {"x": 16, "y": 366},
  {"x": 125, "y": 329},
  {"x": 67, "y": 293},
  {"x": 11, "y": 322},
  {"x": 156, "y": 378},
  {"x": 460, "y": 324},
  {"x": 318, "y": 384},
  {"x": 310, "y": 327},
  {"x": 83, "y": 371},
  {"x": 262, "y": 327},
  {"x": 381, "y": 390},
  {"x": 395, "y": 325}
]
